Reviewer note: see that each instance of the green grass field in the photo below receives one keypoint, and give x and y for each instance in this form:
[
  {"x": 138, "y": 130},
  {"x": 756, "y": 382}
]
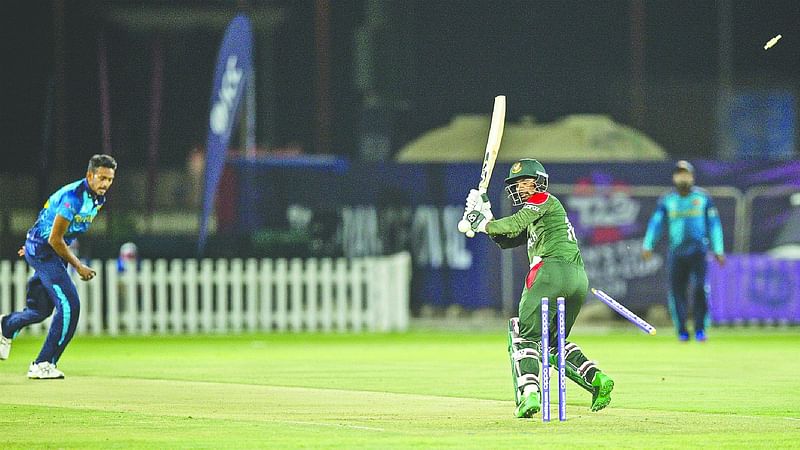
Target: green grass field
[{"x": 423, "y": 389}]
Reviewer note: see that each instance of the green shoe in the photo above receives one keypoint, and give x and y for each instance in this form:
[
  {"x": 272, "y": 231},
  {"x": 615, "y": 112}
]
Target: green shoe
[
  {"x": 528, "y": 406},
  {"x": 602, "y": 385}
]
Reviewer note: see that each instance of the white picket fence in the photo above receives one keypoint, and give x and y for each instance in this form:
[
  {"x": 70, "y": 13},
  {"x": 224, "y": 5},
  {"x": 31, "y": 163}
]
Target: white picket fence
[{"x": 232, "y": 296}]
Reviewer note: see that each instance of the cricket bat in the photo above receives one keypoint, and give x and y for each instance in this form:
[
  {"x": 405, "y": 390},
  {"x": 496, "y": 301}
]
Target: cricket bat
[{"x": 490, "y": 156}]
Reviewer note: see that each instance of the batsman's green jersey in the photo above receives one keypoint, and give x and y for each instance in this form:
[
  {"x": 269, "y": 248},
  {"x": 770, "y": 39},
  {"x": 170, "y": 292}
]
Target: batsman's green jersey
[{"x": 556, "y": 266}]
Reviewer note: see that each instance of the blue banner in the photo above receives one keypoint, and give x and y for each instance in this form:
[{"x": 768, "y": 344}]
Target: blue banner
[
  {"x": 234, "y": 64},
  {"x": 755, "y": 288}
]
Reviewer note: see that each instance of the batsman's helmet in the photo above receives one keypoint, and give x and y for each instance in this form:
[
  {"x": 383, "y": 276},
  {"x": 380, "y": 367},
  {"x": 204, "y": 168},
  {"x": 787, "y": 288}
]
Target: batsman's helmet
[{"x": 525, "y": 168}]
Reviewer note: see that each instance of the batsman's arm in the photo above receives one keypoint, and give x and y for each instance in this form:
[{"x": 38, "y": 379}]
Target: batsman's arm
[
  {"x": 513, "y": 225},
  {"x": 504, "y": 241}
]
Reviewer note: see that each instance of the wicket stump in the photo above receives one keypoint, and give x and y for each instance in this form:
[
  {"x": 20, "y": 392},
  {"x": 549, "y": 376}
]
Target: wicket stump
[
  {"x": 560, "y": 358},
  {"x": 624, "y": 312}
]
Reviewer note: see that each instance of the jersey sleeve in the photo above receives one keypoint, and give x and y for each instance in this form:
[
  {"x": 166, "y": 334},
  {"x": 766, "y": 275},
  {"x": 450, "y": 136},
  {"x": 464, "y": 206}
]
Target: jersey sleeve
[
  {"x": 68, "y": 207},
  {"x": 517, "y": 223},
  {"x": 654, "y": 226},
  {"x": 503, "y": 241},
  {"x": 714, "y": 228}
]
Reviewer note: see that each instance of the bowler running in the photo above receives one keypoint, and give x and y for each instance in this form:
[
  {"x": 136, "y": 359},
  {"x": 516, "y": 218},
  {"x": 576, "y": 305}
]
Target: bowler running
[{"x": 67, "y": 214}]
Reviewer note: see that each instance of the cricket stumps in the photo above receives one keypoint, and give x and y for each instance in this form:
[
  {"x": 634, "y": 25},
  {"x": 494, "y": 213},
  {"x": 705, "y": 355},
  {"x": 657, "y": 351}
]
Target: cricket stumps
[{"x": 624, "y": 312}]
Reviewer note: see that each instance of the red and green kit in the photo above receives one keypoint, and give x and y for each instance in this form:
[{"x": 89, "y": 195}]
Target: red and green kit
[
  {"x": 556, "y": 267},
  {"x": 556, "y": 270}
]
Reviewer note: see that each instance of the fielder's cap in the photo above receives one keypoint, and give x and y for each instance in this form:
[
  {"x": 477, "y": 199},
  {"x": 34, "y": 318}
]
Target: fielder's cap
[{"x": 683, "y": 165}]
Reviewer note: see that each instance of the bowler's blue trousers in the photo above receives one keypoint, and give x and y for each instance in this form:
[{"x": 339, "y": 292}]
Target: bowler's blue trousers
[{"x": 49, "y": 287}]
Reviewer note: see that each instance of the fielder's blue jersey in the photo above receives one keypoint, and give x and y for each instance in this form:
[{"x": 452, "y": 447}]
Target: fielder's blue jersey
[
  {"x": 74, "y": 202},
  {"x": 692, "y": 223}
]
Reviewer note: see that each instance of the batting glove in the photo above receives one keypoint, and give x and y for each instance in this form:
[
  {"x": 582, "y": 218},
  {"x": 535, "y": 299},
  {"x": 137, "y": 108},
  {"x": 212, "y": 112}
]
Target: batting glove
[
  {"x": 478, "y": 218},
  {"x": 472, "y": 199}
]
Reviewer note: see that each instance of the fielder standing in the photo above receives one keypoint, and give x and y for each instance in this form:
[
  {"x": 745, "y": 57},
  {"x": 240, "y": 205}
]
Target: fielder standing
[
  {"x": 692, "y": 221},
  {"x": 556, "y": 270},
  {"x": 66, "y": 214}
]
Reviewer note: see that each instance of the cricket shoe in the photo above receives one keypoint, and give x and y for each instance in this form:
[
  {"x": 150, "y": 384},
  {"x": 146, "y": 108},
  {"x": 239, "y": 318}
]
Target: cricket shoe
[
  {"x": 528, "y": 406},
  {"x": 5, "y": 343},
  {"x": 700, "y": 336},
  {"x": 602, "y": 385},
  {"x": 683, "y": 337},
  {"x": 44, "y": 371}
]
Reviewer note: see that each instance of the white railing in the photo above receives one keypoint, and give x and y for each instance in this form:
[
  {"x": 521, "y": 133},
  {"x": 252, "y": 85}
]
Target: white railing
[{"x": 231, "y": 296}]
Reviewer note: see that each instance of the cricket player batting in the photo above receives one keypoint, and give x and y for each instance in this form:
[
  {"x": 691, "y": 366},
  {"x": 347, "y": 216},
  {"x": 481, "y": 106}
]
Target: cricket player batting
[{"x": 556, "y": 270}]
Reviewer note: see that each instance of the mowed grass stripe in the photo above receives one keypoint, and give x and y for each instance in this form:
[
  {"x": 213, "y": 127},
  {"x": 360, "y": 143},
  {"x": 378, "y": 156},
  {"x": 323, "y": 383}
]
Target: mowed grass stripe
[
  {"x": 311, "y": 407},
  {"x": 236, "y": 401},
  {"x": 421, "y": 390},
  {"x": 220, "y": 400}
]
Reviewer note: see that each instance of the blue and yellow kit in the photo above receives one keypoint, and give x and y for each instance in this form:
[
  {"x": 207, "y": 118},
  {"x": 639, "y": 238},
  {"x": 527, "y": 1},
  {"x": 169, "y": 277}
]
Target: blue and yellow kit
[
  {"x": 693, "y": 224},
  {"x": 74, "y": 202},
  {"x": 51, "y": 286}
]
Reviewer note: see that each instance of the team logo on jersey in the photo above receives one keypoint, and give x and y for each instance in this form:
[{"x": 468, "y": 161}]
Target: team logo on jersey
[{"x": 517, "y": 167}]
